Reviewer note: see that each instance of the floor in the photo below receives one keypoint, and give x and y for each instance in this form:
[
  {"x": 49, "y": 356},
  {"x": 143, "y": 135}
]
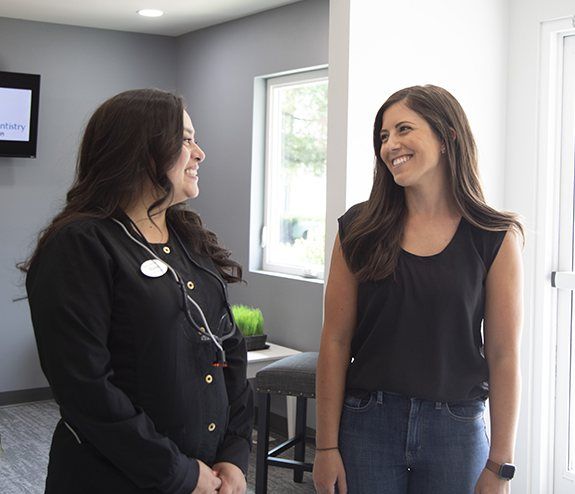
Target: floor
[{"x": 25, "y": 433}]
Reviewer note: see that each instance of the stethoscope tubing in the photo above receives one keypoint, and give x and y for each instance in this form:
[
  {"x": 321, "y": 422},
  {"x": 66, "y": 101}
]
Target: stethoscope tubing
[{"x": 179, "y": 281}]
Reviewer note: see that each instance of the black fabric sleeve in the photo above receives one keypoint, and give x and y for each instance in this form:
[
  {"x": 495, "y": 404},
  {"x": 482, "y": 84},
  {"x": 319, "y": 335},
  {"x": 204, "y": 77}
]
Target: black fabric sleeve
[
  {"x": 487, "y": 244},
  {"x": 237, "y": 441},
  {"x": 70, "y": 289},
  {"x": 493, "y": 242},
  {"x": 346, "y": 219}
]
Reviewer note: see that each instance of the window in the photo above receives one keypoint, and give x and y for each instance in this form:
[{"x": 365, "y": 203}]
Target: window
[{"x": 293, "y": 233}]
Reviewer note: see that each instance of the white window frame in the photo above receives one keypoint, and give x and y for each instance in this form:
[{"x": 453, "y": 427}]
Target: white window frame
[{"x": 263, "y": 182}]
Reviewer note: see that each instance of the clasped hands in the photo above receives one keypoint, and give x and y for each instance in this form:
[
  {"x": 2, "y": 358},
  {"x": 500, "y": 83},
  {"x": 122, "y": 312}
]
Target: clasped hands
[{"x": 222, "y": 478}]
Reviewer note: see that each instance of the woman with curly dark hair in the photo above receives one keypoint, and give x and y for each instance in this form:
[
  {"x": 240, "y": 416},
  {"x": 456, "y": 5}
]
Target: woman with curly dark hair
[
  {"x": 423, "y": 313},
  {"x": 127, "y": 292}
]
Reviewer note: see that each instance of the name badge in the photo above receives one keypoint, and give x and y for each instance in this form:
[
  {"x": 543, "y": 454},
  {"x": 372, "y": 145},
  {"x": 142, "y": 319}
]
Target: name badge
[{"x": 154, "y": 268}]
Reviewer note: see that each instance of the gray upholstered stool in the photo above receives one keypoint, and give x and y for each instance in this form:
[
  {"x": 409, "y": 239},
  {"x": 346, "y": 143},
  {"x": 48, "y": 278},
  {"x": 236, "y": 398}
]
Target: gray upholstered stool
[{"x": 290, "y": 376}]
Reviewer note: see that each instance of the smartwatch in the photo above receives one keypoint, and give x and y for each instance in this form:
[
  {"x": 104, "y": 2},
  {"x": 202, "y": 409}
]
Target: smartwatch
[{"x": 504, "y": 471}]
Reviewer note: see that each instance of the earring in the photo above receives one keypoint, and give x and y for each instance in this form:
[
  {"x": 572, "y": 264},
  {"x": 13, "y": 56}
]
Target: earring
[{"x": 443, "y": 149}]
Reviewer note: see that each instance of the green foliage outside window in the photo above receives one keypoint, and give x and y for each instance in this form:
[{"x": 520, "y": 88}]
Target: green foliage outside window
[
  {"x": 304, "y": 126},
  {"x": 304, "y": 150}
]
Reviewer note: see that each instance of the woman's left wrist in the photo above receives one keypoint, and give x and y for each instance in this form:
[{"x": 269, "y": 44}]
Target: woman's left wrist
[{"x": 503, "y": 470}]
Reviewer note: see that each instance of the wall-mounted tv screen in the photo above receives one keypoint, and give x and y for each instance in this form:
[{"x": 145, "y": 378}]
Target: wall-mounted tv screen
[{"x": 19, "y": 98}]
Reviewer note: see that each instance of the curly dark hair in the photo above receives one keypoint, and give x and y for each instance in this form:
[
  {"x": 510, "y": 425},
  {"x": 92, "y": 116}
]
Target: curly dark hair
[{"x": 132, "y": 140}]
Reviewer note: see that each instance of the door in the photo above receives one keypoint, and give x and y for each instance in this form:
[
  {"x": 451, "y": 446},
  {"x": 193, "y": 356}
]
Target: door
[{"x": 564, "y": 281}]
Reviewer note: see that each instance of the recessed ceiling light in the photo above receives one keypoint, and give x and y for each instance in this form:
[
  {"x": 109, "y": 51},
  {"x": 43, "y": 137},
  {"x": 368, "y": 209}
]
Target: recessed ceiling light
[{"x": 151, "y": 12}]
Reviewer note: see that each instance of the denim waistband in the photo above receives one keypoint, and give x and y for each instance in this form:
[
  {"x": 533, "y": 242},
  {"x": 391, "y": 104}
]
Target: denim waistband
[{"x": 382, "y": 395}]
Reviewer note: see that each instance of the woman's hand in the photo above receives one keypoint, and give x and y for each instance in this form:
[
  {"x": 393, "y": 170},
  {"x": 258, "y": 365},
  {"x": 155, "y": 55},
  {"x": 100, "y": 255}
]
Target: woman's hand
[
  {"x": 208, "y": 480},
  {"x": 489, "y": 483},
  {"x": 233, "y": 480},
  {"x": 328, "y": 471}
]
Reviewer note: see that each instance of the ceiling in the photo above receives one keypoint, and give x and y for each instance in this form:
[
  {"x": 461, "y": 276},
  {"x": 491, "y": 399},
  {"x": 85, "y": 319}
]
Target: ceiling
[{"x": 180, "y": 16}]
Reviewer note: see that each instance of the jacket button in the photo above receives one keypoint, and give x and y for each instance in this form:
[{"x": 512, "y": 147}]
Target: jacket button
[
  {"x": 166, "y": 249},
  {"x": 212, "y": 427},
  {"x": 191, "y": 285},
  {"x": 209, "y": 379}
]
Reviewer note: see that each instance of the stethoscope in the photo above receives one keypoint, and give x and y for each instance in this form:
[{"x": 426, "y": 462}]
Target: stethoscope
[{"x": 156, "y": 267}]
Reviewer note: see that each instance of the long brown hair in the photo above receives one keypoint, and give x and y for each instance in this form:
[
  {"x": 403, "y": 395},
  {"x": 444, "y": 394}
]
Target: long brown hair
[
  {"x": 131, "y": 140},
  {"x": 372, "y": 242}
]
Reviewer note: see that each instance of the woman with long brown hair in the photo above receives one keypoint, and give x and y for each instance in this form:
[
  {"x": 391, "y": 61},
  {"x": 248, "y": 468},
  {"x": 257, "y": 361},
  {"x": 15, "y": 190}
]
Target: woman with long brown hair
[
  {"x": 423, "y": 313},
  {"x": 127, "y": 293}
]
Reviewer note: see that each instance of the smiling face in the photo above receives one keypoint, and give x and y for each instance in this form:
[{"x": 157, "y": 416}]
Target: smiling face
[
  {"x": 183, "y": 174},
  {"x": 409, "y": 147}
]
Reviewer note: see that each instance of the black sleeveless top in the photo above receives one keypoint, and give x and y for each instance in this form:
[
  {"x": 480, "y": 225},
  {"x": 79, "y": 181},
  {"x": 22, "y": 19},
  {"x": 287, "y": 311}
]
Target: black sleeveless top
[{"x": 419, "y": 333}]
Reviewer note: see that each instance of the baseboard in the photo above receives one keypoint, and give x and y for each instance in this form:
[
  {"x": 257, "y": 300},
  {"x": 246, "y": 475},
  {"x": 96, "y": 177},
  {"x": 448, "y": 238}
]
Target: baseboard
[{"x": 25, "y": 396}]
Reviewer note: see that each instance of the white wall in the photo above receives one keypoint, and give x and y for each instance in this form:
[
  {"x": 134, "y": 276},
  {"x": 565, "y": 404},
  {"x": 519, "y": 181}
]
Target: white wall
[{"x": 461, "y": 46}]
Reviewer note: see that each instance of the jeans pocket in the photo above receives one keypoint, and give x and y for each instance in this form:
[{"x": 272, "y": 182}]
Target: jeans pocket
[
  {"x": 358, "y": 402},
  {"x": 466, "y": 411}
]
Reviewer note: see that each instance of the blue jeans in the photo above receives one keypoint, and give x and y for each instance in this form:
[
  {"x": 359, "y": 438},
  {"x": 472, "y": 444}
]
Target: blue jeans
[{"x": 396, "y": 445}]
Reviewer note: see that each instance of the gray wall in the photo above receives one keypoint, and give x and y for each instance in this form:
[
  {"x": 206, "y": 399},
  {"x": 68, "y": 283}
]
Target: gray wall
[
  {"x": 80, "y": 68},
  {"x": 216, "y": 71}
]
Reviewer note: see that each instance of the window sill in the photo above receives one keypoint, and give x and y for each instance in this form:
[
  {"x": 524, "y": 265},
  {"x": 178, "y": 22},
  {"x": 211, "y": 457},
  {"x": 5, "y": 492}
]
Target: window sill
[{"x": 276, "y": 274}]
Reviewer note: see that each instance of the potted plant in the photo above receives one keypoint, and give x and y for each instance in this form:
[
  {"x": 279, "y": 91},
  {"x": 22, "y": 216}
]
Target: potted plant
[{"x": 250, "y": 321}]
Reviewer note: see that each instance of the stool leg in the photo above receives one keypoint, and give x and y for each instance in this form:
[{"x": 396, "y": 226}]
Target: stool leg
[
  {"x": 300, "y": 431},
  {"x": 263, "y": 443}
]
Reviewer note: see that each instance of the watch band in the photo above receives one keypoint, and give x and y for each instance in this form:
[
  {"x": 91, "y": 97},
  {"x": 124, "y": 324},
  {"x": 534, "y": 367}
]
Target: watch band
[
  {"x": 504, "y": 471},
  {"x": 494, "y": 467}
]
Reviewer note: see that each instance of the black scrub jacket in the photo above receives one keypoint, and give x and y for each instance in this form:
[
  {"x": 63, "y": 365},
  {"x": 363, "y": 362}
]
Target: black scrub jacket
[{"x": 139, "y": 397}]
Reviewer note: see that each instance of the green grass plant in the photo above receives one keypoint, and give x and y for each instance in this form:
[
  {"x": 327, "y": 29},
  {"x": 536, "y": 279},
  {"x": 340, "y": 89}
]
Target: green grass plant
[{"x": 249, "y": 320}]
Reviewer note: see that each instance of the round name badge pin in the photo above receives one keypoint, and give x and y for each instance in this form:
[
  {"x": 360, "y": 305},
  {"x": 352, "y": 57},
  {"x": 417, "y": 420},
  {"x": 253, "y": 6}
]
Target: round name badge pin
[{"x": 153, "y": 268}]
